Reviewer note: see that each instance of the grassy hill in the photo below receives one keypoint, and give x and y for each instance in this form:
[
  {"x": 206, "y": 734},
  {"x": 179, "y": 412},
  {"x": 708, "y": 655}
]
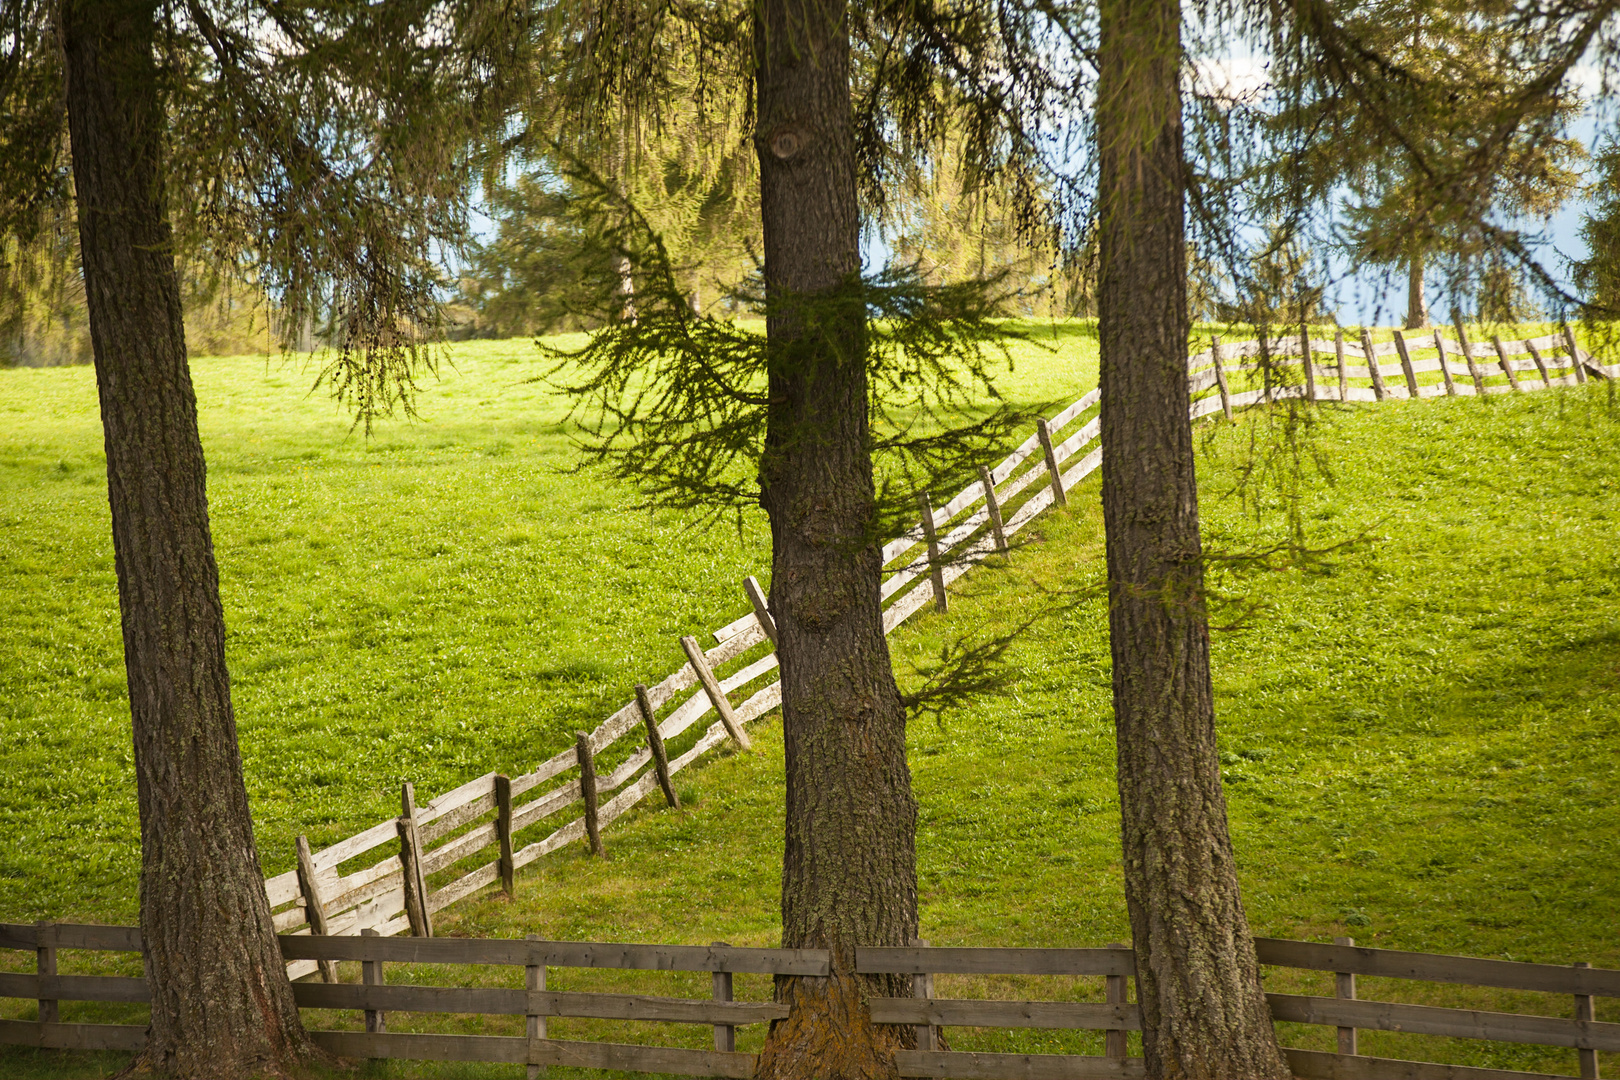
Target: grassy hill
[{"x": 1421, "y": 727}]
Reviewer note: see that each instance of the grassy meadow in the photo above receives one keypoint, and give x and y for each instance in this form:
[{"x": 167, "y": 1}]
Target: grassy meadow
[{"x": 1420, "y": 725}]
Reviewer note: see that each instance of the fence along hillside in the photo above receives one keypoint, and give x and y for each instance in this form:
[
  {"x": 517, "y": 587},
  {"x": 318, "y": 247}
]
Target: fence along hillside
[
  {"x": 374, "y": 998},
  {"x": 405, "y": 870}
]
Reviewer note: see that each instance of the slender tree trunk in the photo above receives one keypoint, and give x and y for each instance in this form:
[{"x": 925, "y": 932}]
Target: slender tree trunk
[
  {"x": 849, "y": 869},
  {"x": 1417, "y": 308},
  {"x": 1204, "y": 1016},
  {"x": 221, "y": 1003}
]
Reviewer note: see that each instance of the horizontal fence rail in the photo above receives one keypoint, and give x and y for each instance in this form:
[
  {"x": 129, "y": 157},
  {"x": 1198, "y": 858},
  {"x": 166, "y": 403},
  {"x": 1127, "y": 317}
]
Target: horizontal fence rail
[
  {"x": 481, "y": 833},
  {"x": 924, "y": 1011}
]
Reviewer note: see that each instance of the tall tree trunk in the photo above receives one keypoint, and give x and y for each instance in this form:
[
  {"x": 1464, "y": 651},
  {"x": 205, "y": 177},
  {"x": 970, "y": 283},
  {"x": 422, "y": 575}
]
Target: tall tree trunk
[
  {"x": 849, "y": 869},
  {"x": 221, "y": 1003},
  {"x": 1203, "y": 1013},
  {"x": 1417, "y": 307}
]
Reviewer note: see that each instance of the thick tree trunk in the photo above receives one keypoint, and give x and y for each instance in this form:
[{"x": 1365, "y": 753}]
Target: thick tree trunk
[
  {"x": 1203, "y": 1013},
  {"x": 221, "y": 1003},
  {"x": 849, "y": 869},
  {"x": 1417, "y": 307}
]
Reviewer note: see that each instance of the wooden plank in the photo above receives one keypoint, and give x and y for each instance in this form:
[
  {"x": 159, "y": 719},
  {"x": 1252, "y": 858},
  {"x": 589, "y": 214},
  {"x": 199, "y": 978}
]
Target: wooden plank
[
  {"x": 1430, "y": 967},
  {"x": 73, "y": 987},
  {"x": 410, "y": 859},
  {"x": 1344, "y": 987},
  {"x": 922, "y": 986},
  {"x": 567, "y": 834},
  {"x": 1541, "y": 364},
  {"x": 358, "y": 844},
  {"x": 1406, "y": 365},
  {"x": 464, "y": 887},
  {"x": 553, "y": 767},
  {"x": 1574, "y": 354},
  {"x": 717, "y": 698},
  {"x": 971, "y": 1066},
  {"x": 45, "y": 966},
  {"x": 725, "y": 1034},
  {"x": 313, "y": 908},
  {"x": 535, "y": 1025},
  {"x": 375, "y": 1045},
  {"x": 623, "y": 1057},
  {"x": 993, "y": 508},
  {"x": 936, "y": 572},
  {"x": 910, "y": 961},
  {"x": 495, "y": 1001},
  {"x": 1455, "y": 1023},
  {"x": 743, "y": 676},
  {"x": 281, "y": 889},
  {"x": 453, "y": 819},
  {"x": 579, "y": 954},
  {"x": 1116, "y": 1041},
  {"x": 125, "y": 1037},
  {"x": 89, "y": 936},
  {"x": 371, "y": 975},
  {"x": 1319, "y": 1065},
  {"x": 1445, "y": 368},
  {"x": 469, "y": 843},
  {"x": 1506, "y": 364},
  {"x": 655, "y": 741},
  {"x": 545, "y": 806},
  {"x": 363, "y": 884},
  {"x": 1584, "y": 1013},
  {"x": 19, "y": 936},
  {"x": 967, "y": 1012},
  {"x": 1467, "y": 350},
  {"x": 1372, "y": 364},
  {"x": 762, "y": 607},
  {"x": 480, "y": 789},
  {"x": 587, "y": 787}
]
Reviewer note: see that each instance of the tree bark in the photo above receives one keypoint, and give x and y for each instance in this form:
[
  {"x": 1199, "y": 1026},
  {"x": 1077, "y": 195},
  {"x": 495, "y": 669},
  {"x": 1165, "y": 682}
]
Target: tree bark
[
  {"x": 1417, "y": 307},
  {"x": 849, "y": 868},
  {"x": 221, "y": 1002},
  {"x": 1203, "y": 1013}
]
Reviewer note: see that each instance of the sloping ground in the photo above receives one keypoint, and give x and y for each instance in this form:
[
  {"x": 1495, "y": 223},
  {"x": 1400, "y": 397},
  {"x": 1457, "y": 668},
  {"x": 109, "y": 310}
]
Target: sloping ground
[{"x": 1420, "y": 734}]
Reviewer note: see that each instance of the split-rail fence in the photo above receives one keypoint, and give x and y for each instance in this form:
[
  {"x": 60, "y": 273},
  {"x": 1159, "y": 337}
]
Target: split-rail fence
[
  {"x": 374, "y": 998},
  {"x": 405, "y": 870}
]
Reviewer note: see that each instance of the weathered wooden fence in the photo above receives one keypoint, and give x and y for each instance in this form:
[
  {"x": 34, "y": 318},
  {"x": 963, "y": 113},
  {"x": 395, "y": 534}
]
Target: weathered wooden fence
[
  {"x": 374, "y": 998},
  {"x": 473, "y": 836}
]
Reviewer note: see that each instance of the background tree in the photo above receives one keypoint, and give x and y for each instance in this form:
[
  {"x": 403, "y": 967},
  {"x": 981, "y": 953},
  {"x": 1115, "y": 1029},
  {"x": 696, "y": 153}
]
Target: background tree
[{"x": 324, "y": 142}]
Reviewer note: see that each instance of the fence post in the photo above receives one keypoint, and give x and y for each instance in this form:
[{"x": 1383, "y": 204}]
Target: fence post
[
  {"x": 1344, "y": 988},
  {"x": 711, "y": 686},
  {"x": 1583, "y": 1011},
  {"x": 1114, "y": 1040},
  {"x": 45, "y": 959},
  {"x": 1468, "y": 353},
  {"x": 725, "y": 1035},
  {"x": 1220, "y": 374},
  {"x": 410, "y": 857},
  {"x": 993, "y": 505},
  {"x": 1502, "y": 358},
  {"x": 587, "y": 788},
  {"x": 1574, "y": 354},
  {"x": 655, "y": 744},
  {"x": 1406, "y": 365},
  {"x": 371, "y": 973},
  {"x": 1305, "y": 361},
  {"x": 503, "y": 833},
  {"x": 1445, "y": 372},
  {"x": 922, "y": 987},
  {"x": 762, "y": 611},
  {"x": 1372, "y": 364},
  {"x": 1045, "y": 433},
  {"x": 1541, "y": 364},
  {"x": 534, "y": 979},
  {"x": 314, "y": 909},
  {"x": 936, "y": 572},
  {"x": 1338, "y": 356}
]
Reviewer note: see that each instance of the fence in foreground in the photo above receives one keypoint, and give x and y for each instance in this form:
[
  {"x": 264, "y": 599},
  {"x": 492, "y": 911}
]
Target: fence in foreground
[
  {"x": 405, "y": 870},
  {"x": 374, "y": 999}
]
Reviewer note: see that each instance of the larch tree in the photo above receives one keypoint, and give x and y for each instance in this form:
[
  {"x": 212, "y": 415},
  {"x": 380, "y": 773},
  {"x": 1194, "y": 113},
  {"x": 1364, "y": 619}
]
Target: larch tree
[{"x": 323, "y": 139}]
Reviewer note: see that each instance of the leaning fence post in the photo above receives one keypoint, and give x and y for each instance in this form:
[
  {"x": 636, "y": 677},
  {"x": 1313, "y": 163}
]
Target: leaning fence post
[
  {"x": 410, "y": 858},
  {"x": 534, "y": 978},
  {"x": 1541, "y": 364},
  {"x": 371, "y": 973},
  {"x": 1445, "y": 370},
  {"x": 1114, "y": 1040},
  {"x": 503, "y": 834},
  {"x": 587, "y": 788},
  {"x": 762, "y": 610},
  {"x": 1043, "y": 430},
  {"x": 1406, "y": 365},
  {"x": 655, "y": 744},
  {"x": 1574, "y": 354},
  {"x": 1305, "y": 361},
  {"x": 1338, "y": 355},
  {"x": 1502, "y": 358},
  {"x": 314, "y": 909},
  {"x": 1468, "y": 353},
  {"x": 45, "y": 958},
  {"x": 993, "y": 505},
  {"x": 1220, "y": 374},
  {"x": 1372, "y": 364},
  {"x": 922, "y": 987},
  {"x": 717, "y": 698},
  {"x": 1583, "y": 1011},
  {"x": 1344, "y": 988},
  {"x": 725, "y": 1035},
  {"x": 936, "y": 572}
]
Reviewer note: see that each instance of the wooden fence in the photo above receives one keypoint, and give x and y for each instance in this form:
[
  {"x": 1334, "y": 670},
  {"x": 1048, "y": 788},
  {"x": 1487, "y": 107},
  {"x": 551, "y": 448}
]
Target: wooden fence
[
  {"x": 482, "y": 832},
  {"x": 374, "y": 998}
]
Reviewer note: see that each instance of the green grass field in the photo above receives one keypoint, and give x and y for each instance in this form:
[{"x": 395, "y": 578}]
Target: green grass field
[{"x": 1421, "y": 730}]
